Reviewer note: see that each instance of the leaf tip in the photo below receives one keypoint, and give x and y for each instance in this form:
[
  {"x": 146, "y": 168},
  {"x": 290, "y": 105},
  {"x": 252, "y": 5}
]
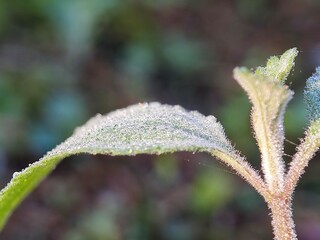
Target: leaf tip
[
  {"x": 312, "y": 95},
  {"x": 277, "y": 69},
  {"x": 240, "y": 71}
]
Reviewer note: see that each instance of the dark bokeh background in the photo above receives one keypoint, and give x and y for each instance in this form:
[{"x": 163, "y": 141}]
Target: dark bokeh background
[{"x": 62, "y": 61}]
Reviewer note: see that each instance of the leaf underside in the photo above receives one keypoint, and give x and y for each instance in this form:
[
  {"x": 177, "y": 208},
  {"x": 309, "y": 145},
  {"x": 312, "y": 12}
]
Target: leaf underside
[
  {"x": 269, "y": 97},
  {"x": 143, "y": 128}
]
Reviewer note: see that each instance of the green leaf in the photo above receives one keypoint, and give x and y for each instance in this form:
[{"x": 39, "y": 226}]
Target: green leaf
[
  {"x": 278, "y": 69},
  {"x": 305, "y": 152},
  {"x": 269, "y": 97},
  {"x": 311, "y": 142},
  {"x": 143, "y": 128},
  {"x": 312, "y": 95}
]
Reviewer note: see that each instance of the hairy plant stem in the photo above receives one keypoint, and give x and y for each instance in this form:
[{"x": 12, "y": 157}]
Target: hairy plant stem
[{"x": 282, "y": 221}]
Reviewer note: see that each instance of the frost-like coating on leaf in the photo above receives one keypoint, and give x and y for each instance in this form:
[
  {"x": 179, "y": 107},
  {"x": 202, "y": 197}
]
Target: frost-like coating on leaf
[
  {"x": 312, "y": 95},
  {"x": 305, "y": 151},
  {"x": 269, "y": 98},
  {"x": 147, "y": 128},
  {"x": 143, "y": 128},
  {"x": 311, "y": 142},
  {"x": 278, "y": 69}
]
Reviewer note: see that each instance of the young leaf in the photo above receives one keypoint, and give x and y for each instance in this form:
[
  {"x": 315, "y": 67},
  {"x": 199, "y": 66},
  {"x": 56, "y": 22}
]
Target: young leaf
[
  {"x": 312, "y": 96},
  {"x": 311, "y": 143},
  {"x": 305, "y": 151},
  {"x": 278, "y": 69},
  {"x": 143, "y": 128},
  {"x": 269, "y": 98}
]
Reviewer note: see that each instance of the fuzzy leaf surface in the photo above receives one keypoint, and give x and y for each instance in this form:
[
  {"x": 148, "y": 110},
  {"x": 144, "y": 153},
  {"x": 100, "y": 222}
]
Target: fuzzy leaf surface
[
  {"x": 305, "y": 152},
  {"x": 312, "y": 95},
  {"x": 269, "y": 97},
  {"x": 144, "y": 128},
  {"x": 277, "y": 69},
  {"x": 311, "y": 142}
]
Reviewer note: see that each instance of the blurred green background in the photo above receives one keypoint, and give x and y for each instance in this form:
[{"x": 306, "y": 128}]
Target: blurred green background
[{"x": 62, "y": 61}]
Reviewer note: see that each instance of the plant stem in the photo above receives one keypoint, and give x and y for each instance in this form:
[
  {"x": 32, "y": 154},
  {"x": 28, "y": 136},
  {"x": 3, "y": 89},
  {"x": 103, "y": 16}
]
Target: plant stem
[{"x": 282, "y": 221}]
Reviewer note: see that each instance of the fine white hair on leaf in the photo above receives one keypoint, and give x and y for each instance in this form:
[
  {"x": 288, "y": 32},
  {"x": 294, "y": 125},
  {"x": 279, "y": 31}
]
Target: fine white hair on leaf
[
  {"x": 269, "y": 96},
  {"x": 312, "y": 95},
  {"x": 143, "y": 128},
  {"x": 277, "y": 69}
]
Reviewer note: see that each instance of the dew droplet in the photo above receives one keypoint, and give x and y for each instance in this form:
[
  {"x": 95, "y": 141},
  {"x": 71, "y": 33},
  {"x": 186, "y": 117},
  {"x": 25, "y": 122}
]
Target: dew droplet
[{"x": 15, "y": 174}]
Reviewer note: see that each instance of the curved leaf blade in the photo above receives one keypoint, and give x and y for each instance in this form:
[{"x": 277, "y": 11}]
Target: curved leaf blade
[
  {"x": 311, "y": 142},
  {"x": 269, "y": 96},
  {"x": 305, "y": 152},
  {"x": 147, "y": 128},
  {"x": 312, "y": 95},
  {"x": 143, "y": 128}
]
